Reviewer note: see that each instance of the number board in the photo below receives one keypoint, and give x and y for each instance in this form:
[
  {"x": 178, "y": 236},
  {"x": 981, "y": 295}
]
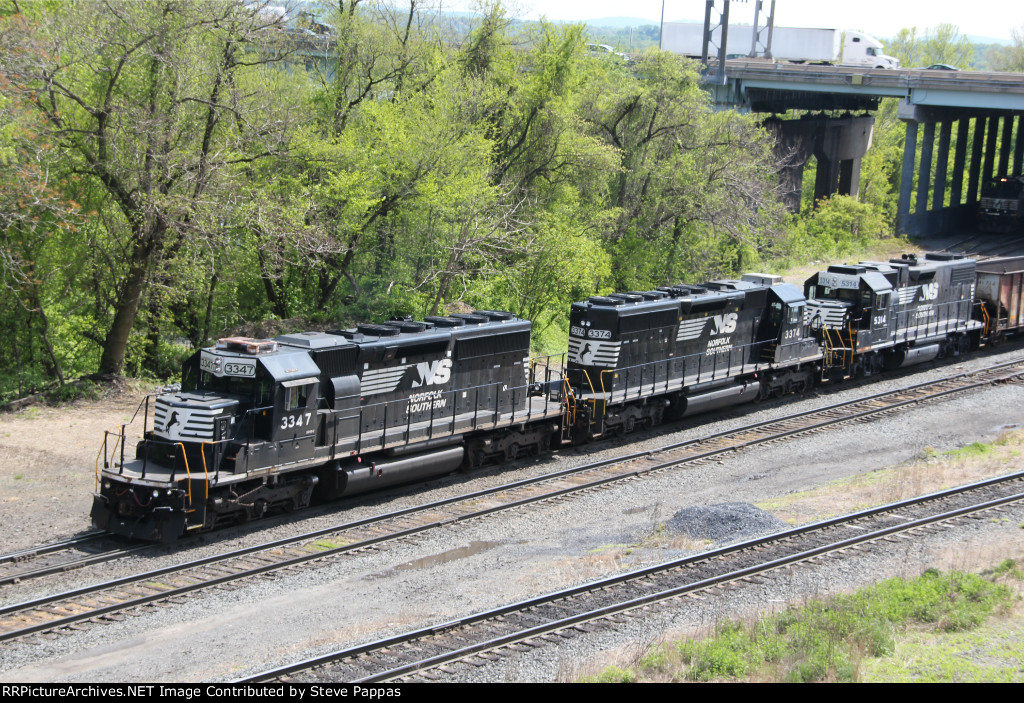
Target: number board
[{"x": 226, "y": 366}]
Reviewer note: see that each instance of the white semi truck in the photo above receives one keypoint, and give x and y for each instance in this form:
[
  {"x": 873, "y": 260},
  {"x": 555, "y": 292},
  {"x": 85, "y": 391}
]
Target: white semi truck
[{"x": 791, "y": 44}]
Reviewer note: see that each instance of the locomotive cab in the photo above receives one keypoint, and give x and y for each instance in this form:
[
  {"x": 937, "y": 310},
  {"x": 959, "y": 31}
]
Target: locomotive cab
[
  {"x": 851, "y": 305},
  {"x": 244, "y": 405},
  {"x": 283, "y": 431},
  {"x": 783, "y": 334}
]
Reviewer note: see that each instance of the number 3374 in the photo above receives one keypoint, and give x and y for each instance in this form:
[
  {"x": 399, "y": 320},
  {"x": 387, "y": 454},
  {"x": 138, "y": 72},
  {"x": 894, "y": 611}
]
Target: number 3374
[{"x": 295, "y": 420}]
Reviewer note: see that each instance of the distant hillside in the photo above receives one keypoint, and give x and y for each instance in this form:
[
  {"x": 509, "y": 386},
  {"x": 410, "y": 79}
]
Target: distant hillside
[
  {"x": 620, "y": 22},
  {"x": 975, "y": 39},
  {"x": 628, "y": 38}
]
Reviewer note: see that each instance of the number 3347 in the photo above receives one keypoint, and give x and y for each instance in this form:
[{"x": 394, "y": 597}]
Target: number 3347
[{"x": 295, "y": 420}]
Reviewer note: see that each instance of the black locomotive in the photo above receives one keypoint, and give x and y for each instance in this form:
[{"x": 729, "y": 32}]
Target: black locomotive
[
  {"x": 1001, "y": 208},
  {"x": 270, "y": 424},
  {"x": 264, "y": 425}
]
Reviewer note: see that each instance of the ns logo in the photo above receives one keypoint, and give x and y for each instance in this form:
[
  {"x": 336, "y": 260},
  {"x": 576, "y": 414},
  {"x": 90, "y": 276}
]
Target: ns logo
[
  {"x": 433, "y": 373},
  {"x": 723, "y": 324},
  {"x": 930, "y": 291}
]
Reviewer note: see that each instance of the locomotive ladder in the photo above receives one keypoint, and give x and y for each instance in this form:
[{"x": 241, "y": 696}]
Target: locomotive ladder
[{"x": 837, "y": 352}]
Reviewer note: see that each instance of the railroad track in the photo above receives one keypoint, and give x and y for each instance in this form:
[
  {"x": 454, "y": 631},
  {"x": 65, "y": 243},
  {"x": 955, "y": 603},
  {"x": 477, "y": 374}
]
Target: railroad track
[
  {"x": 94, "y": 548},
  {"x": 431, "y": 652},
  {"x": 108, "y": 601},
  {"x": 65, "y": 555}
]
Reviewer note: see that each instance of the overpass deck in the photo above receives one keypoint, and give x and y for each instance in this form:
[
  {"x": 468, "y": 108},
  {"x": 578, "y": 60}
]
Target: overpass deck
[{"x": 933, "y": 88}]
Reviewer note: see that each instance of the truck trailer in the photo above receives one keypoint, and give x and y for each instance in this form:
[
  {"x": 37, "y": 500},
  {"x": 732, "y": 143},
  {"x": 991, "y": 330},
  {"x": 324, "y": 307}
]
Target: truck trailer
[{"x": 789, "y": 44}]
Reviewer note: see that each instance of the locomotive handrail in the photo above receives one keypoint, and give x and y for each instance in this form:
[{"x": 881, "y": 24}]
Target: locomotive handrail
[
  {"x": 113, "y": 451},
  {"x": 188, "y": 473},
  {"x": 122, "y": 449},
  {"x": 102, "y": 450},
  {"x": 600, "y": 377},
  {"x": 433, "y": 415},
  {"x": 570, "y": 407},
  {"x": 202, "y": 453},
  {"x": 736, "y": 358}
]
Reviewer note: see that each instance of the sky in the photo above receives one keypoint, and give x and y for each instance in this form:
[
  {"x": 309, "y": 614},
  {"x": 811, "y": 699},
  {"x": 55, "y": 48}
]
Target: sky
[{"x": 880, "y": 18}]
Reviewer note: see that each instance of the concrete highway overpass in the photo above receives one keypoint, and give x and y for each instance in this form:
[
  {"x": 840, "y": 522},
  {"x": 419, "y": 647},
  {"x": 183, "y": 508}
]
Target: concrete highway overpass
[{"x": 968, "y": 126}]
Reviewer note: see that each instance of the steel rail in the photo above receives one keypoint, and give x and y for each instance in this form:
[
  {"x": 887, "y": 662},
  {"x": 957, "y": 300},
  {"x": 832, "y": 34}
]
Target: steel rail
[
  {"x": 83, "y": 561},
  {"x": 41, "y": 549},
  {"x": 171, "y": 592},
  {"x": 645, "y": 600}
]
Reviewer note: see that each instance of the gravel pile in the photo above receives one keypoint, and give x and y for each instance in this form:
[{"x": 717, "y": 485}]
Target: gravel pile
[{"x": 725, "y": 522}]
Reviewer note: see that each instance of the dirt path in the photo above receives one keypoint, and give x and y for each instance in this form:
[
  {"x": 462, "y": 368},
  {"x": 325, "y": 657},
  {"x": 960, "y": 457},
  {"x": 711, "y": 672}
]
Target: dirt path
[{"x": 48, "y": 467}]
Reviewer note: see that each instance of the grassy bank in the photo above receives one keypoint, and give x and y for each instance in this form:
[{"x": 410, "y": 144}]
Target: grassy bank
[{"x": 897, "y": 630}]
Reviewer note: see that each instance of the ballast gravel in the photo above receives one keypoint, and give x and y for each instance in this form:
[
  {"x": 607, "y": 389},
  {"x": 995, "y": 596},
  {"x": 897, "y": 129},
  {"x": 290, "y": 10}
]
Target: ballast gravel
[
  {"x": 731, "y": 522},
  {"x": 245, "y": 628}
]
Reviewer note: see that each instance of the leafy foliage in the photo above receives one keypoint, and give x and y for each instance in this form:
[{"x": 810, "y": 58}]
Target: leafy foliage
[
  {"x": 1009, "y": 58},
  {"x": 175, "y": 171},
  {"x": 839, "y": 225},
  {"x": 942, "y": 44},
  {"x": 823, "y": 640}
]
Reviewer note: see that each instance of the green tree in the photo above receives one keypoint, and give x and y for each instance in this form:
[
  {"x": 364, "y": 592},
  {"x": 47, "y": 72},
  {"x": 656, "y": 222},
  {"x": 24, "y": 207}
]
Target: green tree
[
  {"x": 693, "y": 187},
  {"x": 147, "y": 100},
  {"x": 941, "y": 44},
  {"x": 1010, "y": 58},
  {"x": 34, "y": 216},
  {"x": 838, "y": 226}
]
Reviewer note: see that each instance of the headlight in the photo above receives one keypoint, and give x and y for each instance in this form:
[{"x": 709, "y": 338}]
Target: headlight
[{"x": 156, "y": 492}]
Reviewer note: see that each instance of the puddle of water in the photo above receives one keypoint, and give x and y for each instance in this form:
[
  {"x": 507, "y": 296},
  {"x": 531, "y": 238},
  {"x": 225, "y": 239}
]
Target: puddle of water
[
  {"x": 434, "y": 559},
  {"x": 1008, "y": 428}
]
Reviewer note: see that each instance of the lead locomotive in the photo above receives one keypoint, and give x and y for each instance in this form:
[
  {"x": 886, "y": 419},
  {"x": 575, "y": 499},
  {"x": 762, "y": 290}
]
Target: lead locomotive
[
  {"x": 264, "y": 425},
  {"x": 269, "y": 424}
]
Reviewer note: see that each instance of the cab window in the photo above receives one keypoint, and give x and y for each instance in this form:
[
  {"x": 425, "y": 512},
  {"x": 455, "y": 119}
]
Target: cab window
[
  {"x": 264, "y": 392},
  {"x": 296, "y": 393}
]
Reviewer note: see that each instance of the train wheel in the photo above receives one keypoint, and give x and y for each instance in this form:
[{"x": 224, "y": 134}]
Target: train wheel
[
  {"x": 544, "y": 443},
  {"x": 657, "y": 416},
  {"x": 473, "y": 458},
  {"x": 512, "y": 452}
]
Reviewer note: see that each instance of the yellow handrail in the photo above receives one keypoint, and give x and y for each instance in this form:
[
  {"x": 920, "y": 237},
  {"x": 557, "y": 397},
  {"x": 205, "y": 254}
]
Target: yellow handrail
[
  {"x": 188, "y": 473},
  {"x": 571, "y": 396},
  {"x": 206, "y": 474},
  {"x": 601, "y": 377}
]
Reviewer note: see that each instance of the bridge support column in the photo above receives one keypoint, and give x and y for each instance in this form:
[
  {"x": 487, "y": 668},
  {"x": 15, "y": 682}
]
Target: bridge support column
[
  {"x": 924, "y": 174},
  {"x": 794, "y": 146},
  {"x": 1004, "y": 146},
  {"x": 838, "y": 144},
  {"x": 977, "y": 149},
  {"x": 1018, "y": 148},
  {"x": 918, "y": 216},
  {"x": 942, "y": 165},
  {"x": 963, "y": 127},
  {"x": 988, "y": 169},
  {"x": 907, "y": 178}
]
